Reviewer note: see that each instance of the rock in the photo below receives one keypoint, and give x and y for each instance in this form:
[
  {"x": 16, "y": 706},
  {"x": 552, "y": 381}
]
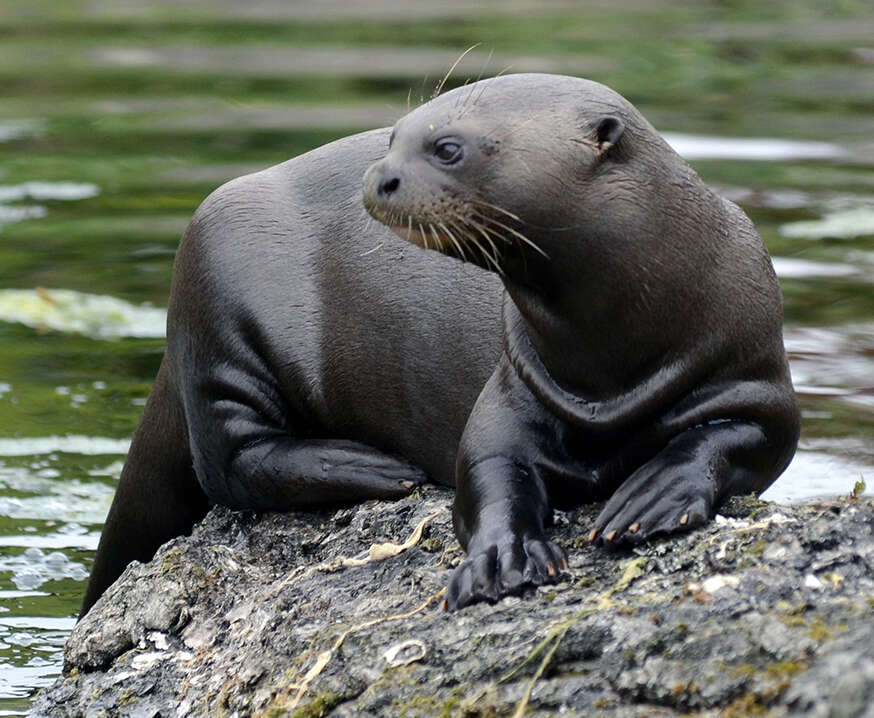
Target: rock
[{"x": 767, "y": 610}]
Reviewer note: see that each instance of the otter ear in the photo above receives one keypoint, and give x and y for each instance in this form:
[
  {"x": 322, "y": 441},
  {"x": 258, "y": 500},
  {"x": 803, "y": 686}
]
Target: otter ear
[{"x": 608, "y": 130}]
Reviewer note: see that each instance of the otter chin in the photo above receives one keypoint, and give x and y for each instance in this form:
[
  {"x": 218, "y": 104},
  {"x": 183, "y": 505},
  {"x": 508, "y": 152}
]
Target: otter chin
[{"x": 642, "y": 360}]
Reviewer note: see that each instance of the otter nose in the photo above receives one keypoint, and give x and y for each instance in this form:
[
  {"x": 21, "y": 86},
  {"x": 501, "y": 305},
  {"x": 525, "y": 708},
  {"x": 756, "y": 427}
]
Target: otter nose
[{"x": 388, "y": 187}]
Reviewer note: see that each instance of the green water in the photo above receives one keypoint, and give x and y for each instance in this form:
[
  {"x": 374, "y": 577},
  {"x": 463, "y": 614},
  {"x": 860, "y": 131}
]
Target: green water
[{"x": 117, "y": 118}]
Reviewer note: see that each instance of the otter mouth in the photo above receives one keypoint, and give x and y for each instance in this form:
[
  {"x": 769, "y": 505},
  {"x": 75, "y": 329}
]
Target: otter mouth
[
  {"x": 428, "y": 233},
  {"x": 406, "y": 233},
  {"x": 450, "y": 237}
]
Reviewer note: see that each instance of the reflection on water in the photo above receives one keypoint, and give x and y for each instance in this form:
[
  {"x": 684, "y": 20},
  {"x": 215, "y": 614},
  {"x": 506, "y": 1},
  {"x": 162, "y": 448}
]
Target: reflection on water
[
  {"x": 751, "y": 148},
  {"x": 819, "y": 474},
  {"x": 38, "y": 191},
  {"x": 16, "y": 128},
  {"x": 118, "y": 118},
  {"x": 806, "y": 268},
  {"x": 34, "y": 567},
  {"x": 832, "y": 360},
  {"x": 847, "y": 224}
]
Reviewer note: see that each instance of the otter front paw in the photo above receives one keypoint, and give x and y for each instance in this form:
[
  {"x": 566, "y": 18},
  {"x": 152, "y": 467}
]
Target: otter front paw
[
  {"x": 655, "y": 500},
  {"x": 504, "y": 570}
]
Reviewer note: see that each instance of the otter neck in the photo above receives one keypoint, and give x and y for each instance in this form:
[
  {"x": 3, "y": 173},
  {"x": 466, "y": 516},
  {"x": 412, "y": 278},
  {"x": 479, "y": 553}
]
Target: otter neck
[
  {"x": 577, "y": 328},
  {"x": 544, "y": 333},
  {"x": 578, "y": 308},
  {"x": 603, "y": 415}
]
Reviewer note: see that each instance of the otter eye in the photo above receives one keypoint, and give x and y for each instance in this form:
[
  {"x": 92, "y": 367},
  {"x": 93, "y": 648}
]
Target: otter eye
[{"x": 448, "y": 151}]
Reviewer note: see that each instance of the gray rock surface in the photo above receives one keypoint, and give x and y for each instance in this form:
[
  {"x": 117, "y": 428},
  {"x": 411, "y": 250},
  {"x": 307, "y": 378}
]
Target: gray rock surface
[{"x": 766, "y": 611}]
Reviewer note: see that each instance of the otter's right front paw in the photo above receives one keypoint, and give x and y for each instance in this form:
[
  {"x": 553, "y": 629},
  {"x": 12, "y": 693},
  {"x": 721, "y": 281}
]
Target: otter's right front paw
[{"x": 504, "y": 570}]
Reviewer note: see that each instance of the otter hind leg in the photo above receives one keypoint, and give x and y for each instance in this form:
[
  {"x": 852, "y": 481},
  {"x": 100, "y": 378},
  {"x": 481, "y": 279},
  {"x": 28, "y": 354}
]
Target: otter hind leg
[
  {"x": 280, "y": 472},
  {"x": 158, "y": 497}
]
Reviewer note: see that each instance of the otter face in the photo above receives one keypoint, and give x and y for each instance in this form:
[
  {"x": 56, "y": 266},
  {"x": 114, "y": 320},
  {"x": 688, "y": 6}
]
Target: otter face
[
  {"x": 432, "y": 189},
  {"x": 477, "y": 173}
]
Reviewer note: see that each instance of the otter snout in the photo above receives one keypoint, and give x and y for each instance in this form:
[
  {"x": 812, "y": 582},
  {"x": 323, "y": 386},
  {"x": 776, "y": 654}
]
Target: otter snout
[{"x": 380, "y": 184}]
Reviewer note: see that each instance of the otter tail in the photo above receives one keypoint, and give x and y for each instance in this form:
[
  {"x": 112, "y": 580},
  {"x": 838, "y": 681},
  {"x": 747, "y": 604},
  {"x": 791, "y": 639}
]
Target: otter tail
[{"x": 158, "y": 497}]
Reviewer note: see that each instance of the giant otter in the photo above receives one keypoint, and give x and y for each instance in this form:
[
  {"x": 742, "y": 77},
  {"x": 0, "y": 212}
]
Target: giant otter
[
  {"x": 643, "y": 358},
  {"x": 313, "y": 356}
]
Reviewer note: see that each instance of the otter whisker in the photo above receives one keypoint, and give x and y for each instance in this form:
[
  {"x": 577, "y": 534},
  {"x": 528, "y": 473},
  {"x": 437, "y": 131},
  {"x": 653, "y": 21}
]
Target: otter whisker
[
  {"x": 464, "y": 105},
  {"x": 515, "y": 233},
  {"x": 422, "y": 92},
  {"x": 444, "y": 245},
  {"x": 486, "y": 85},
  {"x": 495, "y": 252},
  {"x": 482, "y": 250},
  {"x": 478, "y": 78},
  {"x": 456, "y": 242},
  {"x": 424, "y": 236},
  {"x": 485, "y": 65},
  {"x": 467, "y": 238},
  {"x": 498, "y": 209},
  {"x": 493, "y": 258},
  {"x": 489, "y": 257},
  {"x": 372, "y": 250},
  {"x": 409, "y": 227},
  {"x": 458, "y": 99},
  {"x": 437, "y": 239},
  {"x": 563, "y": 228},
  {"x": 446, "y": 231},
  {"x": 439, "y": 87}
]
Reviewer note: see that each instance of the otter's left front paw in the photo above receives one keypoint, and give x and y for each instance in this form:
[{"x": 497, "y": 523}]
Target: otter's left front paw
[
  {"x": 655, "y": 500},
  {"x": 504, "y": 570}
]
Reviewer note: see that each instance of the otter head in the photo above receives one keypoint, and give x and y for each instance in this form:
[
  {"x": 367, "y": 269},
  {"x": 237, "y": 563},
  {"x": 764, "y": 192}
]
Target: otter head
[{"x": 497, "y": 172}]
